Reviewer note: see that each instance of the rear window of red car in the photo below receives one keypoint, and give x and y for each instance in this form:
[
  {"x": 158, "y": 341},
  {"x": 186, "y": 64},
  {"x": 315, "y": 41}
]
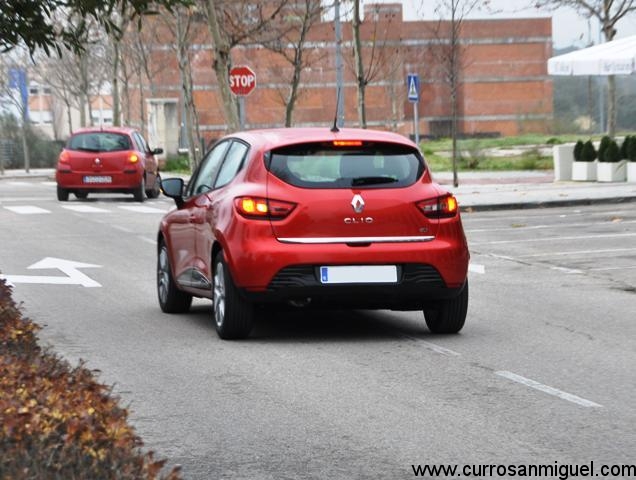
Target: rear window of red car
[
  {"x": 99, "y": 142},
  {"x": 353, "y": 164}
]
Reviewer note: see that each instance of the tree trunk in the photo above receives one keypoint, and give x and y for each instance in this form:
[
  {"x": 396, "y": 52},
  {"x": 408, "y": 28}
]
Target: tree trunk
[
  {"x": 115, "y": 83},
  {"x": 222, "y": 62},
  {"x": 357, "y": 53},
  {"x": 611, "y": 106}
]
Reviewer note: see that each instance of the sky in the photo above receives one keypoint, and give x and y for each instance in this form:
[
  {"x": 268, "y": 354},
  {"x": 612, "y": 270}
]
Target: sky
[{"x": 568, "y": 27}]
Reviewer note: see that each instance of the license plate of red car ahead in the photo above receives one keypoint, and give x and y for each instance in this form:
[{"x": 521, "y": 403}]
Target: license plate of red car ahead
[
  {"x": 98, "y": 179},
  {"x": 358, "y": 274}
]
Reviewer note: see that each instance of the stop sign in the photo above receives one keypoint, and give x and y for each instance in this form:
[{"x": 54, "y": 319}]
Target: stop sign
[{"x": 242, "y": 80}]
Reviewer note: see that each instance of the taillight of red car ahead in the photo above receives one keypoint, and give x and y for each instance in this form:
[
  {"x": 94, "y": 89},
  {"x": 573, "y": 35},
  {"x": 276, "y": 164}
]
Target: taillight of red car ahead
[
  {"x": 441, "y": 207},
  {"x": 263, "y": 208},
  {"x": 133, "y": 157},
  {"x": 64, "y": 161}
]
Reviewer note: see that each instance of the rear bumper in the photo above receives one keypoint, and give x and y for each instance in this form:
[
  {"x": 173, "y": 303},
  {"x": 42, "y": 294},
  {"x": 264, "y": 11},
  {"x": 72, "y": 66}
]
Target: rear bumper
[
  {"x": 417, "y": 286},
  {"x": 120, "y": 181}
]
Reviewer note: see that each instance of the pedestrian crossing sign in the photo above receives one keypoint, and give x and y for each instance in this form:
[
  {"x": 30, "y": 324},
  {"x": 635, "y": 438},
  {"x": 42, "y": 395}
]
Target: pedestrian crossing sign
[{"x": 413, "y": 87}]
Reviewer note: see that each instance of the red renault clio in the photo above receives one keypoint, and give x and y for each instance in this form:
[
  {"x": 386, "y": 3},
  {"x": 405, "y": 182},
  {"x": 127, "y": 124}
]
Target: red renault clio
[
  {"x": 313, "y": 218},
  {"x": 107, "y": 159}
]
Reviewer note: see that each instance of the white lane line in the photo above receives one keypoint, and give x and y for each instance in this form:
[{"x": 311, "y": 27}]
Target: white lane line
[
  {"x": 555, "y": 239},
  {"x": 85, "y": 209},
  {"x": 522, "y": 228},
  {"x": 607, "y": 269},
  {"x": 476, "y": 268},
  {"x": 148, "y": 240},
  {"x": 27, "y": 210},
  {"x": 547, "y": 389},
  {"x": 19, "y": 184},
  {"x": 431, "y": 346},
  {"x": 578, "y": 252},
  {"x": 141, "y": 209}
]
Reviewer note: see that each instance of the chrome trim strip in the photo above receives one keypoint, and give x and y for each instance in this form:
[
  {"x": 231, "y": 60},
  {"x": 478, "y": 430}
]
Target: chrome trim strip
[{"x": 323, "y": 240}]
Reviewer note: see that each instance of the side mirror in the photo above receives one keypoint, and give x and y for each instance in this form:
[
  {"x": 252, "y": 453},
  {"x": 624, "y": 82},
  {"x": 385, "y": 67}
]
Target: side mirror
[
  {"x": 173, "y": 188},
  {"x": 157, "y": 151}
]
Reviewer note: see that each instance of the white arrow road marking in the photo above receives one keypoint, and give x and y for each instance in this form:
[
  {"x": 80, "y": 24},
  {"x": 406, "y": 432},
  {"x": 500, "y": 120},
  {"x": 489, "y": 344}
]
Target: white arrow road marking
[
  {"x": 476, "y": 268},
  {"x": 69, "y": 267},
  {"x": 27, "y": 210}
]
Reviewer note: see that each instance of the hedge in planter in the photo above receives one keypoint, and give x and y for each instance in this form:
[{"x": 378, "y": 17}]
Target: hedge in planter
[
  {"x": 611, "y": 168},
  {"x": 585, "y": 168}
]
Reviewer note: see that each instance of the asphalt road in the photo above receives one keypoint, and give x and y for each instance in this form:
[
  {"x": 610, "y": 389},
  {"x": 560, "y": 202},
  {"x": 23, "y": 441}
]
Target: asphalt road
[{"x": 543, "y": 371}]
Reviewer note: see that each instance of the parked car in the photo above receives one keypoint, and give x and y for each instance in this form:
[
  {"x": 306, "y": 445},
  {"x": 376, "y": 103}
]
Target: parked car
[
  {"x": 313, "y": 218},
  {"x": 108, "y": 159}
]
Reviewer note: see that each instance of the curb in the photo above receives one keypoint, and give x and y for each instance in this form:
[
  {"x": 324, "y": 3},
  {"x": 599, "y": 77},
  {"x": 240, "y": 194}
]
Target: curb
[{"x": 546, "y": 204}]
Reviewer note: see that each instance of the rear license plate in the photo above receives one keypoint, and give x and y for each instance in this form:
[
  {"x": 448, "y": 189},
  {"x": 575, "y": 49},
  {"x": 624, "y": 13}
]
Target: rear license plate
[
  {"x": 98, "y": 179},
  {"x": 359, "y": 274}
]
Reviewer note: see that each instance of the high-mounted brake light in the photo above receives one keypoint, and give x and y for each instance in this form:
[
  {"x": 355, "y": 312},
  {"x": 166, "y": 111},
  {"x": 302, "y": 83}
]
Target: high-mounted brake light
[
  {"x": 264, "y": 208},
  {"x": 347, "y": 143},
  {"x": 441, "y": 207}
]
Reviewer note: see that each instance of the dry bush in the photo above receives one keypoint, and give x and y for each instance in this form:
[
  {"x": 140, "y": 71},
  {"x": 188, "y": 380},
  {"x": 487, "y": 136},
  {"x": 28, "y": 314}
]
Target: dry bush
[{"x": 58, "y": 422}]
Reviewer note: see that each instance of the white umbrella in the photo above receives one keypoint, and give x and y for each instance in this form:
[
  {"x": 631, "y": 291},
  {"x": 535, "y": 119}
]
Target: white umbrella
[{"x": 617, "y": 57}]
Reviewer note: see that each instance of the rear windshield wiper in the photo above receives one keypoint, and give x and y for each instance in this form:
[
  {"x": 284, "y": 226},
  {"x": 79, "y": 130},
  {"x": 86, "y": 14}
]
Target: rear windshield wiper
[{"x": 355, "y": 182}]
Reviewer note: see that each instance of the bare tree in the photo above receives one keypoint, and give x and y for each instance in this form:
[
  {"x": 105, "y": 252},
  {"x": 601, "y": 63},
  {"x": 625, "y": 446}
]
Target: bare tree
[
  {"x": 608, "y": 13},
  {"x": 183, "y": 24},
  {"x": 233, "y": 23},
  {"x": 450, "y": 59},
  {"x": 291, "y": 43},
  {"x": 375, "y": 58}
]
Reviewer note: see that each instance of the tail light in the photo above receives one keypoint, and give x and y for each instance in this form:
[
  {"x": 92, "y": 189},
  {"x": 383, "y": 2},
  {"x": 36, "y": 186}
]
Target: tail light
[
  {"x": 133, "y": 158},
  {"x": 263, "y": 208},
  {"x": 441, "y": 207},
  {"x": 64, "y": 157}
]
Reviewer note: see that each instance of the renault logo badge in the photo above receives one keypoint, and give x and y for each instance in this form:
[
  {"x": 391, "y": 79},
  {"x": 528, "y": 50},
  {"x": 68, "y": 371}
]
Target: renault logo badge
[{"x": 357, "y": 203}]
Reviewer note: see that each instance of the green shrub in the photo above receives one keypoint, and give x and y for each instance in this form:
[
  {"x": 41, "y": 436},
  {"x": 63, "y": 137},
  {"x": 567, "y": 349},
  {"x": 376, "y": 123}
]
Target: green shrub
[
  {"x": 625, "y": 146},
  {"x": 588, "y": 154},
  {"x": 578, "y": 150},
  {"x": 631, "y": 149},
  {"x": 612, "y": 153},
  {"x": 177, "y": 164},
  {"x": 605, "y": 143}
]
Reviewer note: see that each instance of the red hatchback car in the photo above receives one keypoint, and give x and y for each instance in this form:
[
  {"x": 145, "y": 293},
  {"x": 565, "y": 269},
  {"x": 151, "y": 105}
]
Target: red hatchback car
[
  {"x": 313, "y": 218},
  {"x": 109, "y": 159}
]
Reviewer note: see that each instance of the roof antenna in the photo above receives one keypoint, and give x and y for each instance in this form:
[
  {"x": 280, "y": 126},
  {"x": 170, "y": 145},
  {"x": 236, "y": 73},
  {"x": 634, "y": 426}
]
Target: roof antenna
[{"x": 335, "y": 128}]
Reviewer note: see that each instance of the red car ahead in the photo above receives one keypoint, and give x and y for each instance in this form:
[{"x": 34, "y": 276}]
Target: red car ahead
[
  {"x": 109, "y": 159},
  {"x": 313, "y": 218}
]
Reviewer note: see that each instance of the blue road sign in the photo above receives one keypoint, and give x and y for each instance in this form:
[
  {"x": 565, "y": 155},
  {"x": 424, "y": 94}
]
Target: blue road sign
[{"x": 413, "y": 87}]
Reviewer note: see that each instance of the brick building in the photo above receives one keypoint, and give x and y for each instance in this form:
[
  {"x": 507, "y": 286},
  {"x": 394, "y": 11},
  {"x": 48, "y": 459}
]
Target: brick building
[{"x": 504, "y": 88}]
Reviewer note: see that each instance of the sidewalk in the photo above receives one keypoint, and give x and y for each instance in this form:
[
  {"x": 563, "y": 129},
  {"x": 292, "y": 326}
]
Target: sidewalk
[{"x": 484, "y": 190}]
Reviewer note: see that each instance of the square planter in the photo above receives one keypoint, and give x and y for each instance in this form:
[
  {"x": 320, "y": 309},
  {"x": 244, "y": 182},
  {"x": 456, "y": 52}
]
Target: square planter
[
  {"x": 631, "y": 172},
  {"x": 563, "y": 157},
  {"x": 584, "y": 171},
  {"x": 612, "y": 171}
]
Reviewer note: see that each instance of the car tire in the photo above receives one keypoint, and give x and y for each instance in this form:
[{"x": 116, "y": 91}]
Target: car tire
[
  {"x": 232, "y": 314},
  {"x": 62, "y": 194},
  {"x": 140, "y": 192},
  {"x": 81, "y": 195},
  {"x": 156, "y": 189},
  {"x": 448, "y": 316},
  {"x": 171, "y": 299}
]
